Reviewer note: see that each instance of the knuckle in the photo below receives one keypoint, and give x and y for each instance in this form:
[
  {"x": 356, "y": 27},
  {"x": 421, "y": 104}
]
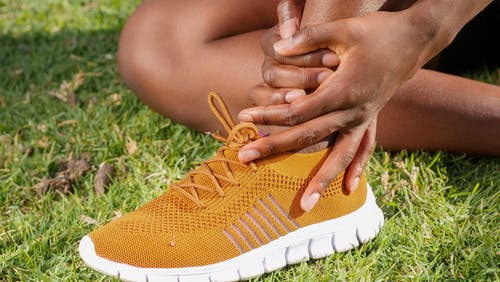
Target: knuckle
[
  {"x": 277, "y": 98},
  {"x": 361, "y": 113},
  {"x": 293, "y": 117},
  {"x": 307, "y": 138},
  {"x": 303, "y": 79},
  {"x": 269, "y": 75},
  {"x": 358, "y": 116},
  {"x": 265, "y": 116},
  {"x": 269, "y": 147},
  {"x": 277, "y": 58},
  {"x": 309, "y": 60},
  {"x": 281, "y": 59},
  {"x": 346, "y": 158},
  {"x": 325, "y": 181}
]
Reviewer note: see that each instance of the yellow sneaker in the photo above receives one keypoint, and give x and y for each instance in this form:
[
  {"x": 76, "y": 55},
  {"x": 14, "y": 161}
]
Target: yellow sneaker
[{"x": 227, "y": 221}]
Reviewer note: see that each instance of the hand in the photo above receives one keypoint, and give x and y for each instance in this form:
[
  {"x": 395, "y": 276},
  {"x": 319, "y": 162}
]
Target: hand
[
  {"x": 378, "y": 52},
  {"x": 287, "y": 77}
]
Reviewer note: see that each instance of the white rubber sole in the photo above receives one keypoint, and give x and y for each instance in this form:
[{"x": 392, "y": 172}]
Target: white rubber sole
[{"x": 311, "y": 242}]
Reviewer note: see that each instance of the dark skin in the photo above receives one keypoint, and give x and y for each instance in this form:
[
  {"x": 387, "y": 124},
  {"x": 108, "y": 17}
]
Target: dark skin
[
  {"x": 163, "y": 41},
  {"x": 378, "y": 53}
]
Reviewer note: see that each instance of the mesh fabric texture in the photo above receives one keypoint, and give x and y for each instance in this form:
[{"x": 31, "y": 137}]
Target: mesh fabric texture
[{"x": 262, "y": 204}]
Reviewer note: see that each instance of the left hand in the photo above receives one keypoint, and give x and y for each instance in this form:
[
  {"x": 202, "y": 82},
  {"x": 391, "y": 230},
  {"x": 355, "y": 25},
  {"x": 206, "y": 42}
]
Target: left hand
[
  {"x": 288, "y": 77},
  {"x": 378, "y": 53}
]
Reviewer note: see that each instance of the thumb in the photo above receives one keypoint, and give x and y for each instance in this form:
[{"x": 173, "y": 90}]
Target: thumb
[
  {"x": 289, "y": 16},
  {"x": 311, "y": 38}
]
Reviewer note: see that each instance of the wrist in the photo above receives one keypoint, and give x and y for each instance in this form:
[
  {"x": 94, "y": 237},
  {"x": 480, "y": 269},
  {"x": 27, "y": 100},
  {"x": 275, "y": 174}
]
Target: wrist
[
  {"x": 437, "y": 22},
  {"x": 430, "y": 33}
]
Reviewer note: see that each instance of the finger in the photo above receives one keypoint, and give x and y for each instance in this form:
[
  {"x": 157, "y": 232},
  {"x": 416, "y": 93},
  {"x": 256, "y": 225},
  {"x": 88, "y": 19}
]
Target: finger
[
  {"x": 297, "y": 137},
  {"x": 302, "y": 109},
  {"x": 289, "y": 16},
  {"x": 355, "y": 169},
  {"x": 332, "y": 95},
  {"x": 319, "y": 58},
  {"x": 312, "y": 38},
  {"x": 338, "y": 159},
  {"x": 275, "y": 129},
  {"x": 263, "y": 95},
  {"x": 284, "y": 76}
]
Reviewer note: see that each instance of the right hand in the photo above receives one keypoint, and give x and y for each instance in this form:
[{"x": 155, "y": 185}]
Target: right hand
[{"x": 378, "y": 52}]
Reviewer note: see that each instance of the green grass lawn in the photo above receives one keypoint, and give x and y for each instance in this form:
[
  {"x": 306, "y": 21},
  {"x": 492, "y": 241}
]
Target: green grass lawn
[{"x": 442, "y": 210}]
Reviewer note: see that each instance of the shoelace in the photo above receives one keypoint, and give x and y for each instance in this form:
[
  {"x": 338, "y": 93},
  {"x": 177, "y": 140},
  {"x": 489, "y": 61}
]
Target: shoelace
[{"x": 238, "y": 136}]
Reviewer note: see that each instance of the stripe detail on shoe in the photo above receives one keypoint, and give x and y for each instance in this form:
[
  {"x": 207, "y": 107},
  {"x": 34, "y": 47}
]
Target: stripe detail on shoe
[
  {"x": 233, "y": 240},
  {"x": 245, "y": 234},
  {"x": 252, "y": 232},
  {"x": 265, "y": 221},
  {"x": 241, "y": 241},
  {"x": 283, "y": 215},
  {"x": 273, "y": 218},
  {"x": 252, "y": 222}
]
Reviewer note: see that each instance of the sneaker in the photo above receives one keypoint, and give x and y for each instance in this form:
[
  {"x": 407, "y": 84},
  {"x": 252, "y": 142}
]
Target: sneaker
[{"x": 227, "y": 221}]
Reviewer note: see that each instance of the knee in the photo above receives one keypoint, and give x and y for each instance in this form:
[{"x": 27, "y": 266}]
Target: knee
[
  {"x": 140, "y": 54},
  {"x": 130, "y": 65},
  {"x": 153, "y": 49}
]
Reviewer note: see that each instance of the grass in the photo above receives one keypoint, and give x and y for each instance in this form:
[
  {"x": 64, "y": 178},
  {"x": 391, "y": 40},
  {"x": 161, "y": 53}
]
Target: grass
[{"x": 442, "y": 210}]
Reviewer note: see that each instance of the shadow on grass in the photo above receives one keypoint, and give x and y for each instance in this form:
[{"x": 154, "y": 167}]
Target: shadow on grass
[
  {"x": 34, "y": 66},
  {"x": 46, "y": 59}
]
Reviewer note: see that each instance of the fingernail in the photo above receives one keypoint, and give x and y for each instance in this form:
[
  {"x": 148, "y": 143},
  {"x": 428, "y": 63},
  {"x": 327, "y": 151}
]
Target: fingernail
[
  {"x": 245, "y": 117},
  {"x": 309, "y": 203},
  {"x": 294, "y": 94},
  {"x": 248, "y": 155},
  {"x": 288, "y": 28},
  {"x": 354, "y": 185},
  {"x": 282, "y": 45},
  {"x": 323, "y": 76},
  {"x": 329, "y": 60}
]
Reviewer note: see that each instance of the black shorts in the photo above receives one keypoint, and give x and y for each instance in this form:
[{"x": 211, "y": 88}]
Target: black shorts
[{"x": 477, "y": 46}]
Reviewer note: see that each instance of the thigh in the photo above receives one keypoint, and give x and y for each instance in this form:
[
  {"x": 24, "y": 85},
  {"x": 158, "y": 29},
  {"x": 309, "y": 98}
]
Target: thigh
[
  {"x": 208, "y": 20},
  {"x": 180, "y": 50}
]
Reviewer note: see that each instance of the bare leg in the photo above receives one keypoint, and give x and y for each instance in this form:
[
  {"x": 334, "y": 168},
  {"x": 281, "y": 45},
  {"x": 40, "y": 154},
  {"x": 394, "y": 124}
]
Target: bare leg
[
  {"x": 437, "y": 111},
  {"x": 171, "y": 54}
]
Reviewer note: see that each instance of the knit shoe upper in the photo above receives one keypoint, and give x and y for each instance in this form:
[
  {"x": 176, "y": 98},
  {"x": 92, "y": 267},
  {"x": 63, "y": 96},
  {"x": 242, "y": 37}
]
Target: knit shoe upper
[{"x": 224, "y": 209}]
